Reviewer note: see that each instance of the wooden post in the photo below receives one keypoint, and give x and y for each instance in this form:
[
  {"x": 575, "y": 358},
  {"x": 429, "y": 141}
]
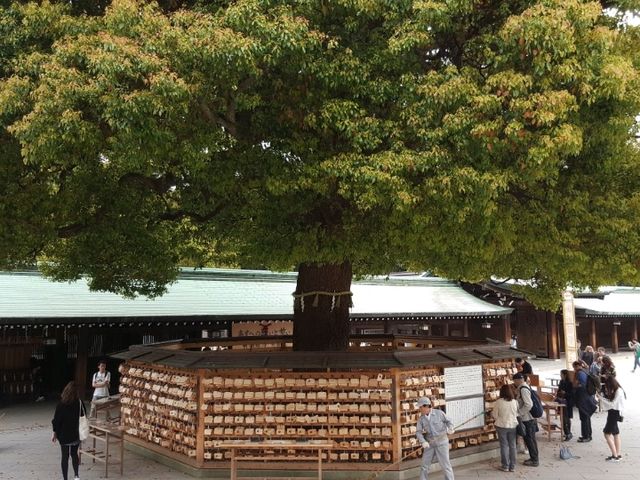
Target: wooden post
[
  {"x": 634, "y": 333},
  {"x": 82, "y": 359},
  {"x": 445, "y": 328},
  {"x": 614, "y": 338},
  {"x": 396, "y": 418},
  {"x": 506, "y": 327},
  {"x": 201, "y": 413},
  {"x": 569, "y": 327},
  {"x": 592, "y": 334},
  {"x": 465, "y": 328},
  {"x": 552, "y": 328}
]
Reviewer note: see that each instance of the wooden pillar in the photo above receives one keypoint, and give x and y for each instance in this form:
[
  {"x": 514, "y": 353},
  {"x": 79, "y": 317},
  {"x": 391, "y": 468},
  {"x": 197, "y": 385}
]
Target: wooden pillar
[
  {"x": 396, "y": 417},
  {"x": 592, "y": 334},
  {"x": 80, "y": 376},
  {"x": 614, "y": 338},
  {"x": 445, "y": 328},
  {"x": 465, "y": 328},
  {"x": 634, "y": 333},
  {"x": 200, "y": 414},
  {"x": 506, "y": 328},
  {"x": 554, "y": 341}
]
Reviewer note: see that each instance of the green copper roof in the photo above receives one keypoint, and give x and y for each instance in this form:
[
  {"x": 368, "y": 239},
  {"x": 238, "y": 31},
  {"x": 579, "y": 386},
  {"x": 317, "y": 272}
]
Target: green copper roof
[
  {"x": 618, "y": 302},
  {"x": 231, "y": 294}
]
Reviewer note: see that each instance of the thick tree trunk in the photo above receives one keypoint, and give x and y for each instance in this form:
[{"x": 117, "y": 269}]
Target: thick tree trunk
[{"x": 321, "y": 307}]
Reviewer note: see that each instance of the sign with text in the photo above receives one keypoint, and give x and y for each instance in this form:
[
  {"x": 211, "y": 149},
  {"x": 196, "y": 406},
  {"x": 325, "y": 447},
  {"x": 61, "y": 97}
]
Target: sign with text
[
  {"x": 463, "y": 382},
  {"x": 466, "y": 413}
]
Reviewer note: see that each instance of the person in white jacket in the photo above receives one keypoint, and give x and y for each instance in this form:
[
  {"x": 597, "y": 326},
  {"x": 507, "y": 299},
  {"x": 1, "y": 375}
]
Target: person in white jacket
[
  {"x": 505, "y": 414},
  {"x": 613, "y": 402}
]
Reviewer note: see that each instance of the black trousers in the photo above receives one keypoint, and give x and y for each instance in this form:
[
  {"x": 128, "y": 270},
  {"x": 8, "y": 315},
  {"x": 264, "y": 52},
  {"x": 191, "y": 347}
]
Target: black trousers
[
  {"x": 66, "y": 451},
  {"x": 566, "y": 423},
  {"x": 530, "y": 428},
  {"x": 585, "y": 425}
]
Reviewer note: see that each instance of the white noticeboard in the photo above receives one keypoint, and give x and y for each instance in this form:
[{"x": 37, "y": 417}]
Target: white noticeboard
[
  {"x": 463, "y": 382},
  {"x": 459, "y": 411}
]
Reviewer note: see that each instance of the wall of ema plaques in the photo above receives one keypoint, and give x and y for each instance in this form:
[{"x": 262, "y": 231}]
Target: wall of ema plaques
[{"x": 357, "y": 411}]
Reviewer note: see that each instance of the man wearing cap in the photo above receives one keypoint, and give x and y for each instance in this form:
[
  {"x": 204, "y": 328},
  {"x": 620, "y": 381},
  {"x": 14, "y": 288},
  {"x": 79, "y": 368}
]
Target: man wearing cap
[
  {"x": 524, "y": 414},
  {"x": 432, "y": 429}
]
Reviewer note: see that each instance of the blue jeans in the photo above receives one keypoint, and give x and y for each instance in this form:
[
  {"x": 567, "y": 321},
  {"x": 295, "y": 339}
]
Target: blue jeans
[
  {"x": 636, "y": 363},
  {"x": 507, "y": 437}
]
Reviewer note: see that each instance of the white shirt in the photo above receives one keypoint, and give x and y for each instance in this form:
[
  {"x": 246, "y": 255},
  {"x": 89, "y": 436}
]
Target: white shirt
[
  {"x": 99, "y": 377},
  {"x": 505, "y": 413},
  {"x": 616, "y": 404}
]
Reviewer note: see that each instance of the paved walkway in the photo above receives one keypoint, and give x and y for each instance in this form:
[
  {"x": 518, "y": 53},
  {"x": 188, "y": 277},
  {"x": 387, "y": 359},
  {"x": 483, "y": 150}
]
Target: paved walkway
[{"x": 26, "y": 451}]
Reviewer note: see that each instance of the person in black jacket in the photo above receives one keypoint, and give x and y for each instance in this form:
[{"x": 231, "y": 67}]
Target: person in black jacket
[
  {"x": 524, "y": 367},
  {"x": 65, "y": 428},
  {"x": 565, "y": 396}
]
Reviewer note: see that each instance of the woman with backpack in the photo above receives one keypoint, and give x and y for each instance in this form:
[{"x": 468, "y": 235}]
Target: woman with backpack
[{"x": 612, "y": 402}]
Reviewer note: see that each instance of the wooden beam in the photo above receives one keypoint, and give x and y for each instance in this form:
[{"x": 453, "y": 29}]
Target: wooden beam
[{"x": 592, "y": 334}]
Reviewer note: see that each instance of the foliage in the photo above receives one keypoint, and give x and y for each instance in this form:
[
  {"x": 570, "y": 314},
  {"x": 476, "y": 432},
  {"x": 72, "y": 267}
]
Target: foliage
[{"x": 469, "y": 137}]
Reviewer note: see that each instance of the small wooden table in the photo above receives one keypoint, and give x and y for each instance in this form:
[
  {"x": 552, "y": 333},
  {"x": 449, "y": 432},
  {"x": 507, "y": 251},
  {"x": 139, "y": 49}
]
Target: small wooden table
[
  {"x": 242, "y": 445},
  {"x": 107, "y": 405},
  {"x": 553, "y": 410},
  {"x": 108, "y": 435}
]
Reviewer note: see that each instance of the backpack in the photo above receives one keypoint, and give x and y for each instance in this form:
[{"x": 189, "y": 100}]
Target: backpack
[
  {"x": 536, "y": 410},
  {"x": 593, "y": 385}
]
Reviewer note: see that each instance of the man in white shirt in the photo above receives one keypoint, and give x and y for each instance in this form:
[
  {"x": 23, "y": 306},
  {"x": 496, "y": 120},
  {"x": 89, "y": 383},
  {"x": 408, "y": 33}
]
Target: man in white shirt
[
  {"x": 100, "y": 382},
  {"x": 432, "y": 429}
]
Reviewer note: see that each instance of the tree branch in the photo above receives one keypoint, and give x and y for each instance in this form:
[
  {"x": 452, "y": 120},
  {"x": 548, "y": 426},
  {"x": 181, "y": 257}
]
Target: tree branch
[{"x": 230, "y": 126}]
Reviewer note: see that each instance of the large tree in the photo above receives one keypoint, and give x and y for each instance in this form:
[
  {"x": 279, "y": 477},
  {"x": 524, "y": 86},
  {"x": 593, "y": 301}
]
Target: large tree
[{"x": 473, "y": 138}]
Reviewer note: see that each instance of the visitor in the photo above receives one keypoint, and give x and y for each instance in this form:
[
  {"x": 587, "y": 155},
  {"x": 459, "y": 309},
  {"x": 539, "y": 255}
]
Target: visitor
[
  {"x": 564, "y": 396},
  {"x": 101, "y": 381},
  {"x": 65, "y": 428},
  {"x": 612, "y": 401},
  {"x": 505, "y": 414},
  {"x": 524, "y": 413},
  {"x": 524, "y": 367},
  {"x": 634, "y": 345},
  {"x": 585, "y": 402},
  {"x": 587, "y": 355}
]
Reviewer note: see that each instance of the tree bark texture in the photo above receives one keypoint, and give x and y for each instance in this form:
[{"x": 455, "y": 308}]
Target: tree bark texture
[{"x": 321, "y": 320}]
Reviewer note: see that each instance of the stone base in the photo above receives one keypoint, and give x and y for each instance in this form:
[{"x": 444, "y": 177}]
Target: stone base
[{"x": 409, "y": 470}]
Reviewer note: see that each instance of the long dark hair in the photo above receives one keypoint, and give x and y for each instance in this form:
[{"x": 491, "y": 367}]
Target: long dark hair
[
  {"x": 69, "y": 394},
  {"x": 611, "y": 386}
]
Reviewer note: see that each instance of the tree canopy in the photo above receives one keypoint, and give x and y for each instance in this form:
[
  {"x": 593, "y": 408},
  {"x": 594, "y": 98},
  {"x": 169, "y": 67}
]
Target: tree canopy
[{"x": 473, "y": 138}]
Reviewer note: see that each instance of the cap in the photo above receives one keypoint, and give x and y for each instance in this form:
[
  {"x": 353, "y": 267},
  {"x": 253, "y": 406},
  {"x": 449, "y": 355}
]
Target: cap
[
  {"x": 422, "y": 401},
  {"x": 518, "y": 376}
]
